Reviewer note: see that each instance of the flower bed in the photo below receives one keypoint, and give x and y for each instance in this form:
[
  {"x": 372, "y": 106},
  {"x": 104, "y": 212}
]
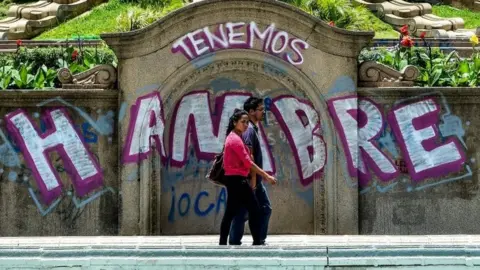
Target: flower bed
[
  {"x": 37, "y": 68},
  {"x": 436, "y": 68}
]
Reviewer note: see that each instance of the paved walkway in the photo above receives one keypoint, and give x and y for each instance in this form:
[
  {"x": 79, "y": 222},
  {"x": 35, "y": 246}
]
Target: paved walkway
[{"x": 202, "y": 252}]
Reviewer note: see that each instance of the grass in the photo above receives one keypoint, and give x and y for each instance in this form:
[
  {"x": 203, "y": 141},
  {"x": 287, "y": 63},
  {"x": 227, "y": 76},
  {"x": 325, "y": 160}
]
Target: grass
[
  {"x": 381, "y": 28},
  {"x": 101, "y": 19},
  {"x": 114, "y": 16},
  {"x": 471, "y": 18}
]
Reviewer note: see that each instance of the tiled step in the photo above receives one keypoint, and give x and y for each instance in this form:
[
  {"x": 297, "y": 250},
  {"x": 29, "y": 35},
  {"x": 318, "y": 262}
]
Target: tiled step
[{"x": 202, "y": 252}]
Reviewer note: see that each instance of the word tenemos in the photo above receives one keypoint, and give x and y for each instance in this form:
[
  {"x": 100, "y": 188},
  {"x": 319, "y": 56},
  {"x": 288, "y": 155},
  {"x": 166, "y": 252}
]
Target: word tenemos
[{"x": 234, "y": 35}]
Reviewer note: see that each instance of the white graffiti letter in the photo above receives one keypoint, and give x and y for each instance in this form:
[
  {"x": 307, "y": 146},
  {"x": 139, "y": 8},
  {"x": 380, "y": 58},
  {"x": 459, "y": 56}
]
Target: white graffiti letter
[
  {"x": 193, "y": 116},
  {"x": 307, "y": 144},
  {"x": 146, "y": 124},
  {"x": 415, "y": 127},
  {"x": 62, "y": 137},
  {"x": 357, "y": 127},
  {"x": 265, "y": 36}
]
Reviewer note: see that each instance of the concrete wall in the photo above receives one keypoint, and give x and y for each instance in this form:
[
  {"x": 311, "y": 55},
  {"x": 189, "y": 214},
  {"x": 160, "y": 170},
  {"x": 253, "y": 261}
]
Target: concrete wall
[
  {"x": 147, "y": 146},
  {"x": 444, "y": 200},
  {"x": 84, "y": 201},
  {"x": 177, "y": 69}
]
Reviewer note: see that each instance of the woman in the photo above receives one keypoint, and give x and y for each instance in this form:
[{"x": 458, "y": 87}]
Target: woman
[{"x": 237, "y": 164}]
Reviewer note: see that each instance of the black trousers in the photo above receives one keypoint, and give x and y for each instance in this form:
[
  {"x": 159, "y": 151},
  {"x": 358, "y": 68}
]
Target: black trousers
[{"x": 239, "y": 194}]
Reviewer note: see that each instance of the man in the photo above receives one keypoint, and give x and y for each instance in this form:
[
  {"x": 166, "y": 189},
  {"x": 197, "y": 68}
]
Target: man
[{"x": 256, "y": 110}]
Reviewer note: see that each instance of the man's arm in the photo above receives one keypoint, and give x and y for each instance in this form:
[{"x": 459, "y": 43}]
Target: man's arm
[{"x": 253, "y": 175}]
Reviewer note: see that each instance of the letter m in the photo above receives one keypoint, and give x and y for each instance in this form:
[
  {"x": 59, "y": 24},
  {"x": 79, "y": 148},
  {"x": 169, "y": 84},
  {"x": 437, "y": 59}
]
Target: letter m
[{"x": 60, "y": 136}]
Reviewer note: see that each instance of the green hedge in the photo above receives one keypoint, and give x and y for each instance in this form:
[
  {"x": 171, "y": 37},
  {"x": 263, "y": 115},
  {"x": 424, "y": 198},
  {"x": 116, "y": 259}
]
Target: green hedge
[
  {"x": 37, "y": 68},
  {"x": 436, "y": 68},
  {"x": 50, "y": 56}
]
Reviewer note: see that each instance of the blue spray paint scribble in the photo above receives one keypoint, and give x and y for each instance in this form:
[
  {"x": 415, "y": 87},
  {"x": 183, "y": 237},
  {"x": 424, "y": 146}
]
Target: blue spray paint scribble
[
  {"x": 271, "y": 66},
  {"x": 191, "y": 169},
  {"x": 104, "y": 124},
  {"x": 203, "y": 61},
  {"x": 386, "y": 141},
  {"x": 12, "y": 176},
  {"x": 226, "y": 84},
  {"x": 8, "y": 155},
  {"x": 452, "y": 126},
  {"x": 79, "y": 204},
  {"x": 343, "y": 84},
  {"x": 122, "y": 112},
  {"x": 133, "y": 175},
  {"x": 186, "y": 202}
]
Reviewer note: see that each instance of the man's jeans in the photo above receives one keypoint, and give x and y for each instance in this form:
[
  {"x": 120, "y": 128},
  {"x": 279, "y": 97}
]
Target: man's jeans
[{"x": 238, "y": 224}]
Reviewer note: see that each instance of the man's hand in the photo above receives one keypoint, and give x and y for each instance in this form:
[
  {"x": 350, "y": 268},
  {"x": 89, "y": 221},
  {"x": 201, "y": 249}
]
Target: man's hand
[{"x": 270, "y": 179}]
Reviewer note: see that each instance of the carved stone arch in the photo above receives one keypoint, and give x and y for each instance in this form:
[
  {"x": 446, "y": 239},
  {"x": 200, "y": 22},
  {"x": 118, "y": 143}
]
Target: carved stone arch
[
  {"x": 294, "y": 82},
  {"x": 146, "y": 58}
]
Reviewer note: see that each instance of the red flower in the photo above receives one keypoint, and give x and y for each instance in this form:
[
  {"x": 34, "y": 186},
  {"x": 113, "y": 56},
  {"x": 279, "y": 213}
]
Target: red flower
[
  {"x": 404, "y": 30},
  {"x": 406, "y": 42},
  {"x": 331, "y": 23},
  {"x": 19, "y": 42},
  {"x": 74, "y": 55},
  {"x": 423, "y": 34}
]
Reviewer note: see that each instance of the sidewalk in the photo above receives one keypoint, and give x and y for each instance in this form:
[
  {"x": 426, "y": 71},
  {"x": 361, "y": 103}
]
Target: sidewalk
[{"x": 202, "y": 252}]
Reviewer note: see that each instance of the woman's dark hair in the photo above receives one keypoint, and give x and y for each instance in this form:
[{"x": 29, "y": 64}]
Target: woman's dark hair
[{"x": 237, "y": 114}]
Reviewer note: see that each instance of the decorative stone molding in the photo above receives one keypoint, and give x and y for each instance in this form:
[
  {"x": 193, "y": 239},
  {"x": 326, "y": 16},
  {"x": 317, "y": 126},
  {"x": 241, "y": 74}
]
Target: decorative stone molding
[
  {"x": 454, "y": 95},
  {"x": 99, "y": 77},
  {"x": 13, "y": 99},
  {"x": 373, "y": 74}
]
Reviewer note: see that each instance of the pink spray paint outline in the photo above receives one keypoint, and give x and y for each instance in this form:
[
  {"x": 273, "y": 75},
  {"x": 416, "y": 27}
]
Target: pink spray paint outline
[
  {"x": 369, "y": 163},
  {"x": 304, "y": 181},
  {"x": 135, "y": 158},
  {"x": 367, "y": 160},
  {"x": 82, "y": 187},
  {"x": 428, "y": 145},
  {"x": 215, "y": 120}
]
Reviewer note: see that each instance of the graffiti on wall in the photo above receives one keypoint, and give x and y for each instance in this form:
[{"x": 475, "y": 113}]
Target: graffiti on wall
[
  {"x": 193, "y": 118},
  {"x": 380, "y": 145},
  {"x": 411, "y": 138},
  {"x": 37, "y": 136},
  {"x": 241, "y": 35},
  {"x": 196, "y": 134}
]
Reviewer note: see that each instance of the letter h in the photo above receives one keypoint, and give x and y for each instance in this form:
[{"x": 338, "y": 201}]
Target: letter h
[{"x": 61, "y": 137}]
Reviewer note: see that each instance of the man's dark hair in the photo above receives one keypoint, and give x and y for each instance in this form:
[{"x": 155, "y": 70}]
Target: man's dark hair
[{"x": 252, "y": 103}]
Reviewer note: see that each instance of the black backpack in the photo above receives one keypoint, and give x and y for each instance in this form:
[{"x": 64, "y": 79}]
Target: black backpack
[{"x": 216, "y": 174}]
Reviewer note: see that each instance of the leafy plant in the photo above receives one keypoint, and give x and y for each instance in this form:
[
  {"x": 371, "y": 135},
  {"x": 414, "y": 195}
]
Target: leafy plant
[
  {"x": 436, "y": 68},
  {"x": 5, "y": 74},
  {"x": 343, "y": 14},
  {"x": 37, "y": 68},
  {"x": 138, "y": 17},
  {"x": 153, "y": 3}
]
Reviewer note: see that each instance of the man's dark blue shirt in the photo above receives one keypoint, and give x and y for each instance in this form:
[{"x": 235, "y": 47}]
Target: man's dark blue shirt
[{"x": 251, "y": 139}]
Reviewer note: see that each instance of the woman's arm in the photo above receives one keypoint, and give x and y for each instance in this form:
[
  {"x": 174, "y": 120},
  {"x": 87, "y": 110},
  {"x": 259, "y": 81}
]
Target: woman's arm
[{"x": 257, "y": 170}]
